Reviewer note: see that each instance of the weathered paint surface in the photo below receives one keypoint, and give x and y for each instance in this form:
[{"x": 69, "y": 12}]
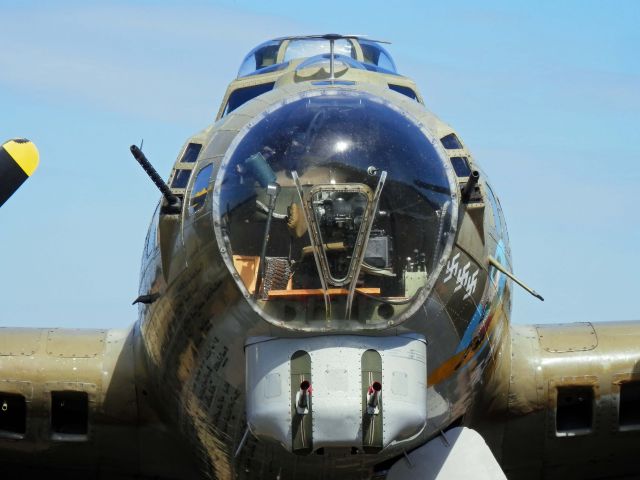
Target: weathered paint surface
[
  {"x": 194, "y": 334},
  {"x": 124, "y": 436},
  {"x": 517, "y": 411}
]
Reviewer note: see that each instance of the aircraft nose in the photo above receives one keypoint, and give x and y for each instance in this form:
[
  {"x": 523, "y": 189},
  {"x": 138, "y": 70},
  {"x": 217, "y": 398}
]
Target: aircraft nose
[{"x": 335, "y": 207}]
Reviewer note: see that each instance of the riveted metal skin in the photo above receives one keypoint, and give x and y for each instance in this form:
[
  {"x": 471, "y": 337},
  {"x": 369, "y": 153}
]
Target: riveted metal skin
[
  {"x": 194, "y": 334},
  {"x": 517, "y": 411},
  {"x": 124, "y": 437}
]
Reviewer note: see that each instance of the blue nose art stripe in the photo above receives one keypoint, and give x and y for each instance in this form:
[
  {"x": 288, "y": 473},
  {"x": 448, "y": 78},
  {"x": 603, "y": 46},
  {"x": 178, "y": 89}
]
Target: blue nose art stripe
[
  {"x": 477, "y": 318},
  {"x": 481, "y": 313}
]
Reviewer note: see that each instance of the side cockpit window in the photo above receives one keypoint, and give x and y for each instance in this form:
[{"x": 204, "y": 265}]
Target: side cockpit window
[
  {"x": 200, "y": 187},
  {"x": 375, "y": 54},
  {"x": 264, "y": 55}
]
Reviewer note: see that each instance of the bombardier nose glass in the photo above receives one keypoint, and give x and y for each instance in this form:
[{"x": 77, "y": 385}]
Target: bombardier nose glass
[
  {"x": 338, "y": 214},
  {"x": 334, "y": 211},
  {"x": 339, "y": 218}
]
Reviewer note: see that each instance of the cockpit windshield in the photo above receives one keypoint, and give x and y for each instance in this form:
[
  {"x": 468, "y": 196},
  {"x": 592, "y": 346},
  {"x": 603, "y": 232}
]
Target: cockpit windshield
[
  {"x": 264, "y": 58},
  {"x": 310, "y": 47},
  {"x": 334, "y": 210}
]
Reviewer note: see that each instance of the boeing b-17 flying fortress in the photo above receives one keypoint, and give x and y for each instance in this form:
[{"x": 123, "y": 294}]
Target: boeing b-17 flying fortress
[{"x": 325, "y": 293}]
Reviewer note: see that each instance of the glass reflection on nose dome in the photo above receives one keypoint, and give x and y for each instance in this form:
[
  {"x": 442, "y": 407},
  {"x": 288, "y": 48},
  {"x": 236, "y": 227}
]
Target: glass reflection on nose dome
[{"x": 294, "y": 244}]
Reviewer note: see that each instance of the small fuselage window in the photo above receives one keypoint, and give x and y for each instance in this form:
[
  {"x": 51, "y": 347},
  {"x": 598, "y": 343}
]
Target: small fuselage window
[
  {"x": 191, "y": 153},
  {"x": 242, "y": 95},
  {"x": 451, "y": 142},
  {"x": 461, "y": 166},
  {"x": 406, "y": 91}
]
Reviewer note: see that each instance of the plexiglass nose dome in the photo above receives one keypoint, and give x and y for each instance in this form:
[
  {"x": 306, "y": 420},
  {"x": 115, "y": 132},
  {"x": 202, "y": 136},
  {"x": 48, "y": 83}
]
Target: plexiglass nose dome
[{"x": 334, "y": 211}]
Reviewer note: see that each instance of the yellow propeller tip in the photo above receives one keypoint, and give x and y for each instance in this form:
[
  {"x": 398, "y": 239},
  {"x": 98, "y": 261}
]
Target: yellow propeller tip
[{"x": 24, "y": 153}]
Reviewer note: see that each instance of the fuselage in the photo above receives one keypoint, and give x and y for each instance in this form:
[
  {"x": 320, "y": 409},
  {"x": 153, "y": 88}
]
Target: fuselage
[{"x": 210, "y": 312}]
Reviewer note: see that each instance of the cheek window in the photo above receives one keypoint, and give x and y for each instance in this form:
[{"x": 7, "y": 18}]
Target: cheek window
[
  {"x": 199, "y": 190},
  {"x": 180, "y": 179},
  {"x": 461, "y": 166}
]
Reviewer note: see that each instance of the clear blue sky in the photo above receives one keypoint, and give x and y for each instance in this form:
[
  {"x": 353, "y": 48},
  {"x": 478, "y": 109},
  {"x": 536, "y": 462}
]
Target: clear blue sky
[{"x": 546, "y": 94}]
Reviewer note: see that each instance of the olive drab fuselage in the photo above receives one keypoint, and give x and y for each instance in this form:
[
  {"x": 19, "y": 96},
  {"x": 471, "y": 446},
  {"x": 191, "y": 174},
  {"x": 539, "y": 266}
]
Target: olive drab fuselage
[
  {"x": 195, "y": 333},
  {"x": 322, "y": 290}
]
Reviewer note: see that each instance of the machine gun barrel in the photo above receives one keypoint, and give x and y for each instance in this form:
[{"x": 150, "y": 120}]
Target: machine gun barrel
[
  {"x": 303, "y": 402},
  {"x": 373, "y": 397},
  {"x": 140, "y": 157},
  {"x": 470, "y": 185}
]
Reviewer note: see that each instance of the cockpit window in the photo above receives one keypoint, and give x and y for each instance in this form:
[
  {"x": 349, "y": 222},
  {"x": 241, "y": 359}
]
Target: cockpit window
[
  {"x": 376, "y": 55},
  {"x": 310, "y": 47},
  {"x": 335, "y": 211},
  {"x": 262, "y": 56},
  {"x": 199, "y": 189}
]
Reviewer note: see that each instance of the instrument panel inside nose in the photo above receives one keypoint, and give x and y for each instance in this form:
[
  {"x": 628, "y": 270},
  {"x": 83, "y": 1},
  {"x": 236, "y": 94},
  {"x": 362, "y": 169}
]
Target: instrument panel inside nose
[{"x": 334, "y": 210}]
